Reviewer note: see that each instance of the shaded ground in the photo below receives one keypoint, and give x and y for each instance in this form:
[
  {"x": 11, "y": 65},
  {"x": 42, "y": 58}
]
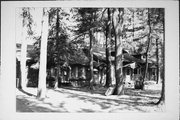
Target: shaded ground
[{"x": 68, "y": 99}]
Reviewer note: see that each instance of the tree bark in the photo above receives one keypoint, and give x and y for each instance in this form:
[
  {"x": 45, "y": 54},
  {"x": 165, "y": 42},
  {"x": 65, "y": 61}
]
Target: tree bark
[
  {"x": 108, "y": 51},
  {"x": 147, "y": 50},
  {"x": 23, "y": 80},
  {"x": 57, "y": 49},
  {"x": 118, "y": 28},
  {"x": 91, "y": 58},
  {"x": 162, "y": 98},
  {"x": 25, "y": 31},
  {"x": 43, "y": 57},
  {"x": 107, "y": 66},
  {"x": 107, "y": 57},
  {"x": 157, "y": 61}
]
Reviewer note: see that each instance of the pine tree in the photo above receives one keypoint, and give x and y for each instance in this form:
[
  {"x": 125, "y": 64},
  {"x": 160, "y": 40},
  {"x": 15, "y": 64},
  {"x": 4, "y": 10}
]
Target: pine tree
[
  {"x": 58, "y": 51},
  {"x": 87, "y": 25}
]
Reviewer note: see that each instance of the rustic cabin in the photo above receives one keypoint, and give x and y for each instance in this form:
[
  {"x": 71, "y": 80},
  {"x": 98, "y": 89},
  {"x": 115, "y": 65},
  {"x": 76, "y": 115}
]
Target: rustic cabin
[
  {"x": 134, "y": 67},
  {"x": 80, "y": 73}
]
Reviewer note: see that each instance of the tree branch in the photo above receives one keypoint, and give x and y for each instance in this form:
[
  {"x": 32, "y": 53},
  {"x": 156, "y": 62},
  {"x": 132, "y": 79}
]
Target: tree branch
[{"x": 102, "y": 14}]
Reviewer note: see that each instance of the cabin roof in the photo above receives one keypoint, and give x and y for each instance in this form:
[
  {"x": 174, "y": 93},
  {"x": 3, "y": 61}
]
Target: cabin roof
[{"x": 131, "y": 58}]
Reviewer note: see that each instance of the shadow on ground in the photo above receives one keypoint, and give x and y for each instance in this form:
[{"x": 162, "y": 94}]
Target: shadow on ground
[
  {"x": 27, "y": 93},
  {"x": 25, "y": 104},
  {"x": 134, "y": 100}
]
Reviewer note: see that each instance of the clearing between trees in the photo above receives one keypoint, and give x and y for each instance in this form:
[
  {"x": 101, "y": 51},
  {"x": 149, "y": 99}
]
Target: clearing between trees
[{"x": 71, "y": 99}]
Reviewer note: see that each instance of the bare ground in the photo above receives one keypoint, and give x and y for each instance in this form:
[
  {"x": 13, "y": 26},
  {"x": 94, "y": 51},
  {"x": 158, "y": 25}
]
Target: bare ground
[{"x": 69, "y": 99}]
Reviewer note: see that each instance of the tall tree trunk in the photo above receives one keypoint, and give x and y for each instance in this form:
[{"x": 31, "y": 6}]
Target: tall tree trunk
[
  {"x": 103, "y": 76},
  {"x": 109, "y": 74},
  {"x": 43, "y": 57},
  {"x": 25, "y": 31},
  {"x": 157, "y": 61},
  {"x": 147, "y": 50},
  {"x": 146, "y": 65},
  {"x": 23, "y": 80},
  {"x": 107, "y": 62},
  {"x": 91, "y": 59},
  {"x": 118, "y": 27},
  {"x": 162, "y": 98},
  {"x": 57, "y": 49}
]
